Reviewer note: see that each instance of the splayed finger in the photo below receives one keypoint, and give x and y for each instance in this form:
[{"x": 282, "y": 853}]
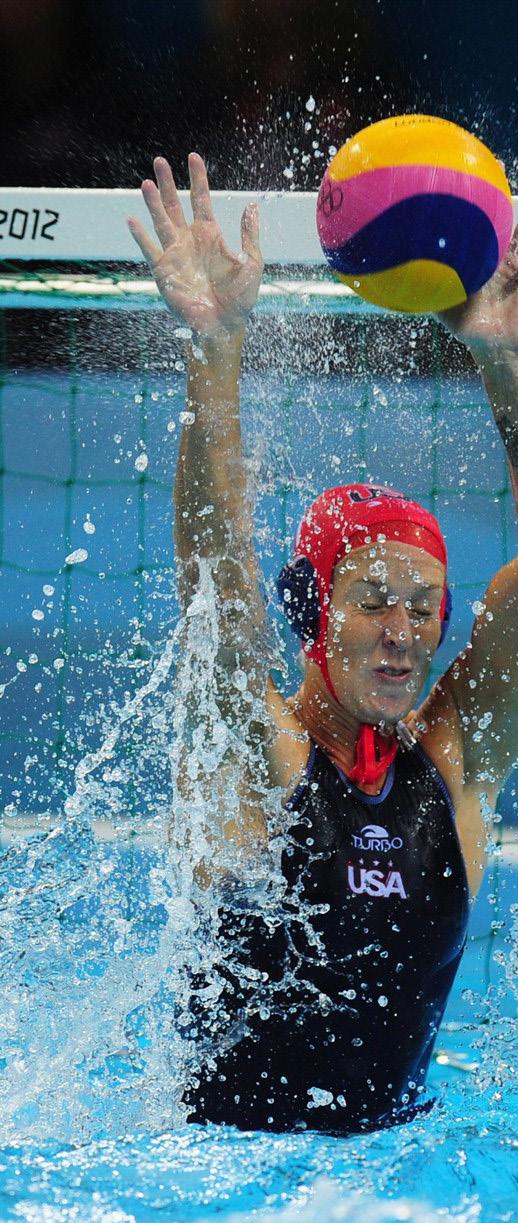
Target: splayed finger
[
  {"x": 200, "y": 194},
  {"x": 163, "y": 226},
  {"x": 168, "y": 192},
  {"x": 150, "y": 251}
]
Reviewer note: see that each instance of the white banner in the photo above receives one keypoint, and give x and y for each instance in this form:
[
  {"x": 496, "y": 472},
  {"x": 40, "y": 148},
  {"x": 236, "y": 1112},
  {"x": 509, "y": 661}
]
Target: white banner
[
  {"x": 77, "y": 224},
  {"x": 68, "y": 224}
]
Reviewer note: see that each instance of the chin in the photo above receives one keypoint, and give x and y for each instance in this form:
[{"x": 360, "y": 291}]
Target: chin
[
  {"x": 393, "y": 714},
  {"x": 379, "y": 707},
  {"x": 388, "y": 709}
]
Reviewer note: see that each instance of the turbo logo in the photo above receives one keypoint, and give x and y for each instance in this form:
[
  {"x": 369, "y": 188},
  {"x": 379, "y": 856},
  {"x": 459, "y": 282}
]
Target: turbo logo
[
  {"x": 375, "y": 883},
  {"x": 375, "y": 838}
]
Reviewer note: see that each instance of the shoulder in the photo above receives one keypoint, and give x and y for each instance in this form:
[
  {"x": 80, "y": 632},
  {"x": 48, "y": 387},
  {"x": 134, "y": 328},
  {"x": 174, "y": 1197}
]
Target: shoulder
[
  {"x": 440, "y": 734},
  {"x": 481, "y": 684}
]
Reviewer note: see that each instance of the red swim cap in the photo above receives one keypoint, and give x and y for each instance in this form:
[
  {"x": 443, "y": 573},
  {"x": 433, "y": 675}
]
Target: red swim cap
[{"x": 353, "y": 516}]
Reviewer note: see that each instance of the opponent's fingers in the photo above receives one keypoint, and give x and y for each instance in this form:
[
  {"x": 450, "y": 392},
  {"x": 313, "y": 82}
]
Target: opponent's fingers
[
  {"x": 200, "y": 194},
  {"x": 250, "y": 232},
  {"x": 163, "y": 227},
  {"x": 168, "y": 193},
  {"x": 139, "y": 232}
]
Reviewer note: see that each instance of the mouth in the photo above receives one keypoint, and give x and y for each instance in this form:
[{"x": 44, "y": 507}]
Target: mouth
[{"x": 393, "y": 675}]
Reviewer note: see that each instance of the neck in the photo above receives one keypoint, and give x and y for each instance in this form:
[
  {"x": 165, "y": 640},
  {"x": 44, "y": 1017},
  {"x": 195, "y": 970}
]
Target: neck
[{"x": 331, "y": 726}]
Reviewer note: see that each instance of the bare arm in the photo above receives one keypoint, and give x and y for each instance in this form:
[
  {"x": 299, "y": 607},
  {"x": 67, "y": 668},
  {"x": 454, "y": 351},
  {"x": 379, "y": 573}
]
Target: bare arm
[
  {"x": 212, "y": 511},
  {"x": 210, "y": 478},
  {"x": 213, "y": 290},
  {"x": 500, "y": 376},
  {"x": 472, "y": 713},
  {"x": 483, "y": 681}
]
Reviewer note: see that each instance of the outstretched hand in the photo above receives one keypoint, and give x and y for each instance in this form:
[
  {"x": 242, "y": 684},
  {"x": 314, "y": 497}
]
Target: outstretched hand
[
  {"x": 489, "y": 319},
  {"x": 198, "y": 275}
]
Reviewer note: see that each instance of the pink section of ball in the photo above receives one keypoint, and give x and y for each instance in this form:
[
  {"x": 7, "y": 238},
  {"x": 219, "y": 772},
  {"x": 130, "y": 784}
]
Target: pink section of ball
[{"x": 345, "y": 206}]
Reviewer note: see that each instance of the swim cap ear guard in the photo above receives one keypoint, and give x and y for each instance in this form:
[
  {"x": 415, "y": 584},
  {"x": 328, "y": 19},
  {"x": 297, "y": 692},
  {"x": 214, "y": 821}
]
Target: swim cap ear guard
[{"x": 297, "y": 589}]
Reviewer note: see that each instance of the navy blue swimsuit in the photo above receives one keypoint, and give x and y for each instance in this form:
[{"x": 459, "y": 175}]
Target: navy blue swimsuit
[{"x": 337, "y": 1000}]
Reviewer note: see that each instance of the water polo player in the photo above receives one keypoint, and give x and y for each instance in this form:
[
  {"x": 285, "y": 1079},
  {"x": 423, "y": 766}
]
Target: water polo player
[{"x": 337, "y": 1006}]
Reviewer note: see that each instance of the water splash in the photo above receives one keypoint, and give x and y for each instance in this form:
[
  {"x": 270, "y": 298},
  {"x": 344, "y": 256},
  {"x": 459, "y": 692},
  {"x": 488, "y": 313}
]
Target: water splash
[{"x": 97, "y": 1033}]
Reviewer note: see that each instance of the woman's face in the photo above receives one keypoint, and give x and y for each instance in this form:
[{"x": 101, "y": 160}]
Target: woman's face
[{"x": 384, "y": 627}]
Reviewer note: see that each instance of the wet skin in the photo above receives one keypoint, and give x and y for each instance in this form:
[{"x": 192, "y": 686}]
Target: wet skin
[{"x": 384, "y": 627}]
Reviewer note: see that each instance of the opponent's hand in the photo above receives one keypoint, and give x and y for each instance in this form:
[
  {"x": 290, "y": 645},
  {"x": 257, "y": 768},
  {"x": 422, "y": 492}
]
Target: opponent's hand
[
  {"x": 489, "y": 319},
  {"x": 199, "y": 277}
]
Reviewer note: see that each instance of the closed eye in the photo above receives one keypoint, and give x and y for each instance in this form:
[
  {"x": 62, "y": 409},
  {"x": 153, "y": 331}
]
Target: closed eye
[{"x": 421, "y": 613}]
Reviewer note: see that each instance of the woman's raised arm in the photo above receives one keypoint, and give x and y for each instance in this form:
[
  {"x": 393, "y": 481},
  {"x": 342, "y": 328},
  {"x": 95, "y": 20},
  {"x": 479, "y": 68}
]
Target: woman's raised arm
[
  {"x": 212, "y": 290},
  {"x": 484, "y": 679}
]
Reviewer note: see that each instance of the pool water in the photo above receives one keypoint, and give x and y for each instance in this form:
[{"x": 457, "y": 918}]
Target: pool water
[
  {"x": 89, "y": 919},
  {"x": 84, "y": 1128}
]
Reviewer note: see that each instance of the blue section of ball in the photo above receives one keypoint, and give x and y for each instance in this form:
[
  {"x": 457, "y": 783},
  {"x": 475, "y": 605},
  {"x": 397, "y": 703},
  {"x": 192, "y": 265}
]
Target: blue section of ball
[{"x": 439, "y": 227}]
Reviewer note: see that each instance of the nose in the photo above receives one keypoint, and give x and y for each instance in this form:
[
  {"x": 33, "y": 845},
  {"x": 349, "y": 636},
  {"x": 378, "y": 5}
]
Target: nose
[{"x": 397, "y": 627}]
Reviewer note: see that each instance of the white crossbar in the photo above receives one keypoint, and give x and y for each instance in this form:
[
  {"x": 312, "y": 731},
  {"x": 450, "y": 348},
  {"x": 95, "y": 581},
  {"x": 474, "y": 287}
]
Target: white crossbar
[
  {"x": 65, "y": 224},
  {"x": 76, "y": 224}
]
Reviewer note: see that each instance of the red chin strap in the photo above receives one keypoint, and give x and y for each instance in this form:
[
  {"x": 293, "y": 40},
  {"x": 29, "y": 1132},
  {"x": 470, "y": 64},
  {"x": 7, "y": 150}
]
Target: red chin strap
[
  {"x": 373, "y": 755},
  {"x": 340, "y": 520}
]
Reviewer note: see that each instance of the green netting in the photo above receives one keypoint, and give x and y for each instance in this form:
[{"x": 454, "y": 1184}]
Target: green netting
[
  {"x": 144, "y": 481},
  {"x": 26, "y": 374}
]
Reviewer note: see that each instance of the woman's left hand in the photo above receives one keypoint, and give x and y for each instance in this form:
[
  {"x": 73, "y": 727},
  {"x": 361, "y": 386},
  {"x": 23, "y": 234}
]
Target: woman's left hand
[{"x": 489, "y": 319}]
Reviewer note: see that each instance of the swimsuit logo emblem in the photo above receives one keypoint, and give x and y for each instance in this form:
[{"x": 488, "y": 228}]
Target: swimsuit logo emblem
[
  {"x": 375, "y": 883},
  {"x": 377, "y": 839}
]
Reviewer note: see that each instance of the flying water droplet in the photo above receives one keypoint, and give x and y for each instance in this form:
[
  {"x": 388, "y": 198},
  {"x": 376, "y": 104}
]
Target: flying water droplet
[{"x": 76, "y": 558}]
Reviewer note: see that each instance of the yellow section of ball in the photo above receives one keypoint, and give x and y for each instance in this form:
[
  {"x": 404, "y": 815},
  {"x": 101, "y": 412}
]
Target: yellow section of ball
[
  {"x": 417, "y": 140},
  {"x": 421, "y": 286}
]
